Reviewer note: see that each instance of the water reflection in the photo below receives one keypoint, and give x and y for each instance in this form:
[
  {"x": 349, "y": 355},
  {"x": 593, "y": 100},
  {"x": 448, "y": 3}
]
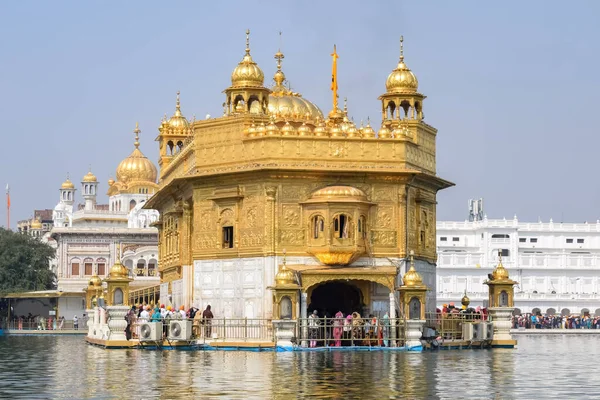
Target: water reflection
[{"x": 65, "y": 367}]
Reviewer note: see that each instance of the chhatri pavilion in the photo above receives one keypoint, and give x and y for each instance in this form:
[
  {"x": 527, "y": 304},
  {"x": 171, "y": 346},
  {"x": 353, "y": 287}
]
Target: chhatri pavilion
[{"x": 276, "y": 208}]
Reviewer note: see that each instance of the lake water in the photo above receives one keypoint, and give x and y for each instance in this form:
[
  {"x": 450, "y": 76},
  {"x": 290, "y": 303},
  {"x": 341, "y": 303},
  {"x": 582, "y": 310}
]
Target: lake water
[{"x": 66, "y": 367}]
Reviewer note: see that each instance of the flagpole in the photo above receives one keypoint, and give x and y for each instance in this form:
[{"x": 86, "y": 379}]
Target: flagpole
[{"x": 7, "y": 207}]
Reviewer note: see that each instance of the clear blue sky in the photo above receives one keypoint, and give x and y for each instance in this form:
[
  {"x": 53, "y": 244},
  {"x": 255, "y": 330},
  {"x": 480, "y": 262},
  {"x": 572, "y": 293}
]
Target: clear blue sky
[{"x": 512, "y": 86}]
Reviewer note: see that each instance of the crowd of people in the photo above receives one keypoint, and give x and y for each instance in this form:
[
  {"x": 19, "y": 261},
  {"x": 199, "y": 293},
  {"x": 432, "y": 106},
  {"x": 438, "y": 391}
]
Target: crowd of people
[
  {"x": 538, "y": 321},
  {"x": 41, "y": 323},
  {"x": 349, "y": 330},
  {"x": 139, "y": 314},
  {"x": 475, "y": 313}
]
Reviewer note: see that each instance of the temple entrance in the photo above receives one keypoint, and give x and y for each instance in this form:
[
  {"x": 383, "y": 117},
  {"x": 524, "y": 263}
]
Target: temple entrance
[{"x": 331, "y": 297}]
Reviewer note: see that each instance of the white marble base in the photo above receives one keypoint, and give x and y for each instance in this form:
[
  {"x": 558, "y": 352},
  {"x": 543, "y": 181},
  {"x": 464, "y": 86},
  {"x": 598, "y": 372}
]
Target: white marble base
[
  {"x": 501, "y": 320},
  {"x": 413, "y": 332},
  {"x": 285, "y": 330}
]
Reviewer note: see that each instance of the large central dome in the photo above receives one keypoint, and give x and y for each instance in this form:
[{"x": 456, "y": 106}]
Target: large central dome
[
  {"x": 285, "y": 104},
  {"x": 136, "y": 167}
]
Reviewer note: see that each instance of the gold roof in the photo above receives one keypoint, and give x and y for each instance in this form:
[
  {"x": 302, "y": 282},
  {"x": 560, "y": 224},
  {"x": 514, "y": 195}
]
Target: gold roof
[
  {"x": 247, "y": 72},
  {"x": 283, "y": 103},
  {"x": 95, "y": 281},
  {"x": 118, "y": 270},
  {"x": 500, "y": 273},
  {"x": 36, "y": 224},
  {"x": 339, "y": 192},
  {"x": 285, "y": 276},
  {"x": 89, "y": 177},
  {"x": 402, "y": 79},
  {"x": 136, "y": 167},
  {"x": 178, "y": 121},
  {"x": 67, "y": 184}
]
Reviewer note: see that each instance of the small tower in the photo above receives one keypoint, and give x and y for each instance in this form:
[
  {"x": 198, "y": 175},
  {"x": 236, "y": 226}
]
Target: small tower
[
  {"x": 247, "y": 93},
  {"x": 401, "y": 99},
  {"x": 67, "y": 192},
  {"x": 93, "y": 291},
  {"x": 413, "y": 293},
  {"x": 35, "y": 228},
  {"x": 501, "y": 304},
  {"x": 501, "y": 287},
  {"x": 172, "y": 135},
  {"x": 285, "y": 293},
  {"x": 89, "y": 189},
  {"x": 117, "y": 285}
]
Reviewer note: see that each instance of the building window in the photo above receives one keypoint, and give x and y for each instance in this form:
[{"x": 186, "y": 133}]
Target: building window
[
  {"x": 569, "y": 240},
  {"x": 101, "y": 269},
  {"x": 500, "y": 236},
  {"x": 455, "y": 239},
  {"x": 580, "y": 241},
  {"x": 88, "y": 268},
  {"x": 75, "y": 269},
  {"x": 341, "y": 226},
  {"x": 362, "y": 227},
  {"x": 228, "y": 237},
  {"x": 533, "y": 240},
  {"x": 443, "y": 239},
  {"x": 522, "y": 240},
  {"x": 502, "y": 252}
]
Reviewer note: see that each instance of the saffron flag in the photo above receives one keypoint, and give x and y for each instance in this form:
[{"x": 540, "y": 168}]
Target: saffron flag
[
  {"x": 7, "y": 196},
  {"x": 334, "y": 85}
]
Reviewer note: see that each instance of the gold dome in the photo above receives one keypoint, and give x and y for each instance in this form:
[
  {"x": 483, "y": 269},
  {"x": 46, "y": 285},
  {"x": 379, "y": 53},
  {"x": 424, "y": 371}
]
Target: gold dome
[
  {"x": 339, "y": 192},
  {"x": 465, "y": 301},
  {"x": 67, "y": 184},
  {"x": 247, "y": 72},
  {"x": 95, "y": 281},
  {"x": 384, "y": 133},
  {"x": 304, "y": 130},
  {"x": 368, "y": 131},
  {"x": 283, "y": 103},
  {"x": 261, "y": 130},
  {"x": 402, "y": 79},
  {"x": 89, "y": 177},
  {"x": 111, "y": 182},
  {"x": 321, "y": 129},
  {"x": 272, "y": 129},
  {"x": 285, "y": 276},
  {"x": 136, "y": 167},
  {"x": 500, "y": 273},
  {"x": 412, "y": 277},
  {"x": 288, "y": 130},
  {"x": 178, "y": 121},
  {"x": 36, "y": 224},
  {"x": 118, "y": 270}
]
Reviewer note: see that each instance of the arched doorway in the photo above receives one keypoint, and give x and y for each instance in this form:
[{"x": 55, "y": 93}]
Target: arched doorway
[
  {"x": 331, "y": 297},
  {"x": 536, "y": 311},
  {"x": 516, "y": 311},
  {"x": 565, "y": 312},
  {"x": 551, "y": 311}
]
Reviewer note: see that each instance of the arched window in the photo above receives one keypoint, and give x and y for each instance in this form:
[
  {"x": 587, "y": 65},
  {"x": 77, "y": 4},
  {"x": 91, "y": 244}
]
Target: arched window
[
  {"x": 75, "y": 267},
  {"x": 170, "y": 147},
  {"x": 503, "y": 300},
  {"x": 118, "y": 297},
  {"x": 318, "y": 225},
  {"x": 414, "y": 308},
  {"x": 101, "y": 262},
  {"x": 362, "y": 227},
  {"x": 132, "y": 204},
  {"x": 285, "y": 308},
  {"x": 88, "y": 265},
  {"x": 341, "y": 226}
]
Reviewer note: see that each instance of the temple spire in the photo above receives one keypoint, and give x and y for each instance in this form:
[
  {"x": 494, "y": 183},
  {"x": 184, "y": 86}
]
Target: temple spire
[
  {"x": 401, "y": 48},
  {"x": 248, "y": 41},
  {"x": 334, "y": 85},
  {"x": 137, "y": 134}
]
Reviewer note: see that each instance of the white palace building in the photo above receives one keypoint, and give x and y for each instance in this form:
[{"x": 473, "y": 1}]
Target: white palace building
[{"x": 556, "y": 264}]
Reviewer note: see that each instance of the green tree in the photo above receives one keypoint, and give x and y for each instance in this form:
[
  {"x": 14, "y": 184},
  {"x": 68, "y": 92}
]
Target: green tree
[{"x": 24, "y": 263}]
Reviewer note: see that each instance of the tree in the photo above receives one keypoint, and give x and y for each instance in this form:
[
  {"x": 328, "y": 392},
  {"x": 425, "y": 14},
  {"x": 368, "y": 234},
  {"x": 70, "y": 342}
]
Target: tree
[{"x": 24, "y": 263}]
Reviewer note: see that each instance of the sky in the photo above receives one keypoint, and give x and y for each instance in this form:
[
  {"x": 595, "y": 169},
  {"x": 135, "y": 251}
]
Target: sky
[{"x": 512, "y": 87}]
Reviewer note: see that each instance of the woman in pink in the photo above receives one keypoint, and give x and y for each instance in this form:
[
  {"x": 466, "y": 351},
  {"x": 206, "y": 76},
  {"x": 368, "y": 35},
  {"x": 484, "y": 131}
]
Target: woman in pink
[{"x": 338, "y": 326}]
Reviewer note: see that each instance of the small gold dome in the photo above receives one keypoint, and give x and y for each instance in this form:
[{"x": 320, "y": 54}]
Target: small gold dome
[
  {"x": 412, "y": 277},
  {"x": 251, "y": 130},
  {"x": 247, "y": 72},
  {"x": 465, "y": 301},
  {"x": 178, "y": 121},
  {"x": 285, "y": 276},
  {"x": 288, "y": 130},
  {"x": 36, "y": 224},
  {"x": 321, "y": 129},
  {"x": 118, "y": 270},
  {"x": 261, "y": 130},
  {"x": 111, "y": 182},
  {"x": 336, "y": 131},
  {"x": 368, "y": 131},
  {"x": 402, "y": 79},
  {"x": 500, "y": 273},
  {"x": 304, "y": 130},
  {"x": 89, "y": 177},
  {"x": 339, "y": 192},
  {"x": 272, "y": 129},
  {"x": 67, "y": 184},
  {"x": 384, "y": 133},
  {"x": 352, "y": 132},
  {"x": 95, "y": 281}
]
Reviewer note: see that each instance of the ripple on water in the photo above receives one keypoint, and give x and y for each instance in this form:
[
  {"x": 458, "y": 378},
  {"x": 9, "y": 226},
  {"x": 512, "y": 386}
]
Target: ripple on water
[{"x": 36, "y": 367}]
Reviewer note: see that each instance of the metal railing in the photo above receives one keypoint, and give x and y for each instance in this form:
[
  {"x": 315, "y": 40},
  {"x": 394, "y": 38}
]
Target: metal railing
[{"x": 43, "y": 324}]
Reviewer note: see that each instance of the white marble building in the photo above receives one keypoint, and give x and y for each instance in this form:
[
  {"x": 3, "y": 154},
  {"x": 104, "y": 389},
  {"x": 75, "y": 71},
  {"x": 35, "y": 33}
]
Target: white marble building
[{"x": 556, "y": 264}]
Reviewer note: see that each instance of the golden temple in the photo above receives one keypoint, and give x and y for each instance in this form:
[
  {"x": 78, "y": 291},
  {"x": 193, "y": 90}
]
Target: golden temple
[{"x": 274, "y": 175}]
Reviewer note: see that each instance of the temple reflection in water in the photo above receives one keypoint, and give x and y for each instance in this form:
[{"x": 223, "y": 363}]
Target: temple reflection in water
[{"x": 275, "y": 178}]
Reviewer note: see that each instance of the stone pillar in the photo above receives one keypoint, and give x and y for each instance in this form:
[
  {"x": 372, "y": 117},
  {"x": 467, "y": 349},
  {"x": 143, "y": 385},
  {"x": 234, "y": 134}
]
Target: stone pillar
[
  {"x": 393, "y": 317},
  {"x": 91, "y": 322},
  {"x": 303, "y": 310},
  {"x": 413, "y": 332},
  {"x": 285, "y": 330},
  {"x": 501, "y": 320},
  {"x": 116, "y": 322}
]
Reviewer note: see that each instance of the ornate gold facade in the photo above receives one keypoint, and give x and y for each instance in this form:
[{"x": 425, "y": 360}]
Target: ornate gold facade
[{"x": 273, "y": 174}]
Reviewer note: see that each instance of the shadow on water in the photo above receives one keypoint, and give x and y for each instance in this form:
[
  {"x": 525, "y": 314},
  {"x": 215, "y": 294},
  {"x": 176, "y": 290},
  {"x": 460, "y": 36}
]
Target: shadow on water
[{"x": 65, "y": 367}]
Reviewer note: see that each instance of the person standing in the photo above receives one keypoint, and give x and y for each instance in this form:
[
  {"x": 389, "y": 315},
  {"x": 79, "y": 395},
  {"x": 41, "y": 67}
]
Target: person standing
[
  {"x": 386, "y": 330},
  {"x": 207, "y": 317},
  {"x": 313, "y": 328},
  {"x": 130, "y": 318},
  {"x": 75, "y": 322},
  {"x": 338, "y": 326}
]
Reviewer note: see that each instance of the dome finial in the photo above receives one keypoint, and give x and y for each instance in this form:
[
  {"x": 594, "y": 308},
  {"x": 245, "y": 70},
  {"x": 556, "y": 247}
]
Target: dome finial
[
  {"x": 177, "y": 103},
  {"x": 346, "y": 106},
  {"x": 137, "y": 135},
  {"x": 248, "y": 41},
  {"x": 401, "y": 48},
  {"x": 279, "y": 76}
]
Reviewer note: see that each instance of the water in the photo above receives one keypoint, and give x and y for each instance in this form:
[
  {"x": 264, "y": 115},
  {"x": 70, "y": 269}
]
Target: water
[{"x": 42, "y": 367}]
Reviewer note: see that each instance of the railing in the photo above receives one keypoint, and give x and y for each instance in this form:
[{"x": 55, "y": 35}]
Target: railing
[
  {"x": 43, "y": 324},
  {"x": 523, "y": 226}
]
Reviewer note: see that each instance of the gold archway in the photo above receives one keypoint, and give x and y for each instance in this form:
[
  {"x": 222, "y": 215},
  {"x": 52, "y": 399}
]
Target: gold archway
[{"x": 314, "y": 275}]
